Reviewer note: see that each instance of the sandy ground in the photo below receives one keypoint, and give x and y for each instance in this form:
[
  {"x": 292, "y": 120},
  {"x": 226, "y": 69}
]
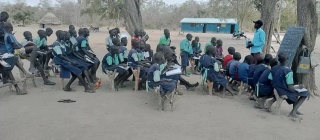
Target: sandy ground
[{"x": 129, "y": 115}]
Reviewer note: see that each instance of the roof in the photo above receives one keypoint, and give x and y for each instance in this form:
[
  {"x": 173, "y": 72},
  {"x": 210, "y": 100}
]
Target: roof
[
  {"x": 49, "y": 18},
  {"x": 209, "y": 20}
]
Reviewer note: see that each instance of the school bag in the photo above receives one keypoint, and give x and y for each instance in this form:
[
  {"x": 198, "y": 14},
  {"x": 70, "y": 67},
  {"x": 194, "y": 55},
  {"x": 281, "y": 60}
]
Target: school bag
[{"x": 304, "y": 62}]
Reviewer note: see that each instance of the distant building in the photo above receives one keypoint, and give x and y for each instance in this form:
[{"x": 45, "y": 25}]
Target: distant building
[
  {"x": 49, "y": 20},
  {"x": 209, "y": 25}
]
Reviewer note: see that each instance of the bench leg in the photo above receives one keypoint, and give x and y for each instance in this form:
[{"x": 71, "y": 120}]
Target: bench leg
[
  {"x": 136, "y": 74},
  {"x": 111, "y": 76},
  {"x": 210, "y": 87},
  {"x": 62, "y": 83},
  {"x": 241, "y": 90}
]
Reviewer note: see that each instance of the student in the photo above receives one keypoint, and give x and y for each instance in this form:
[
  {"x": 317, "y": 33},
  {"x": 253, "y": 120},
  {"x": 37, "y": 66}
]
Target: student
[
  {"x": 213, "y": 42},
  {"x": 41, "y": 43},
  {"x": 196, "y": 53},
  {"x": 112, "y": 34},
  {"x": 117, "y": 32},
  {"x": 186, "y": 52},
  {"x": 136, "y": 36},
  {"x": 123, "y": 56},
  {"x": 154, "y": 76},
  {"x": 232, "y": 66},
  {"x": 282, "y": 81},
  {"x": 219, "y": 49},
  {"x": 67, "y": 66},
  {"x": 243, "y": 68},
  {"x": 260, "y": 68},
  {"x": 144, "y": 37},
  {"x": 3, "y": 18},
  {"x": 264, "y": 88},
  {"x": 71, "y": 27},
  {"x": 229, "y": 57},
  {"x": 198, "y": 42},
  {"x": 111, "y": 62},
  {"x": 211, "y": 70},
  {"x": 252, "y": 69},
  {"x": 165, "y": 38},
  {"x": 85, "y": 50}
]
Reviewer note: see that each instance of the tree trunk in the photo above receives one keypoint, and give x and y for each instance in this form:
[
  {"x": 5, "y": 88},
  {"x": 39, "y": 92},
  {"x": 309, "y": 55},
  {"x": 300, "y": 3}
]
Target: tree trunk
[
  {"x": 267, "y": 17},
  {"x": 308, "y": 18},
  {"x": 23, "y": 22},
  {"x": 132, "y": 15},
  {"x": 279, "y": 10}
]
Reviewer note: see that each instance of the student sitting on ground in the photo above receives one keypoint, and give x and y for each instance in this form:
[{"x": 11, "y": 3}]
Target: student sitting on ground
[
  {"x": 264, "y": 88},
  {"x": 229, "y": 57},
  {"x": 232, "y": 66},
  {"x": 154, "y": 74},
  {"x": 282, "y": 81},
  {"x": 210, "y": 70},
  {"x": 196, "y": 53},
  {"x": 67, "y": 66},
  {"x": 243, "y": 69},
  {"x": 111, "y": 62}
]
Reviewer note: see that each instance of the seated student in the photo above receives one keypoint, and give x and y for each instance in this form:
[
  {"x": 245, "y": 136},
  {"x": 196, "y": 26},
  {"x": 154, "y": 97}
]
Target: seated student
[
  {"x": 196, "y": 53},
  {"x": 243, "y": 68},
  {"x": 282, "y": 81},
  {"x": 232, "y": 66},
  {"x": 211, "y": 70},
  {"x": 264, "y": 88},
  {"x": 213, "y": 42},
  {"x": 186, "y": 53},
  {"x": 144, "y": 37},
  {"x": 260, "y": 68},
  {"x": 198, "y": 42},
  {"x": 154, "y": 76},
  {"x": 112, "y": 35},
  {"x": 123, "y": 56},
  {"x": 67, "y": 66},
  {"x": 135, "y": 60},
  {"x": 136, "y": 36},
  {"x": 141, "y": 54},
  {"x": 111, "y": 62},
  {"x": 85, "y": 50},
  {"x": 229, "y": 57},
  {"x": 42, "y": 46},
  {"x": 148, "y": 53},
  {"x": 219, "y": 49}
]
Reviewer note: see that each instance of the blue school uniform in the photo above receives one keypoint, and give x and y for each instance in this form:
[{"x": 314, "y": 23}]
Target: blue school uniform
[
  {"x": 175, "y": 77},
  {"x": 154, "y": 80},
  {"x": 123, "y": 56},
  {"x": 11, "y": 61},
  {"x": 81, "y": 64},
  {"x": 264, "y": 86},
  {"x": 252, "y": 68},
  {"x": 231, "y": 68},
  {"x": 243, "y": 70},
  {"x": 186, "y": 52},
  {"x": 84, "y": 43},
  {"x": 9, "y": 39},
  {"x": 257, "y": 73},
  {"x": 133, "y": 58},
  {"x": 65, "y": 67},
  {"x": 210, "y": 70},
  {"x": 281, "y": 77},
  {"x": 110, "y": 63}
]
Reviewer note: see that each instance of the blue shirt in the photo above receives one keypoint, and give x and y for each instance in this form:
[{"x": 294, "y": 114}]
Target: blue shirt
[
  {"x": 9, "y": 41},
  {"x": 243, "y": 70},
  {"x": 232, "y": 68},
  {"x": 259, "y": 39}
]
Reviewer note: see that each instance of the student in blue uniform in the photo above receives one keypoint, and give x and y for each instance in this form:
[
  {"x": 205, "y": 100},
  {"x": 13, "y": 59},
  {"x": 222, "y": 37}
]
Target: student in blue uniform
[
  {"x": 154, "y": 76},
  {"x": 123, "y": 56},
  {"x": 260, "y": 68},
  {"x": 232, "y": 66},
  {"x": 210, "y": 70},
  {"x": 67, "y": 66},
  {"x": 197, "y": 53},
  {"x": 198, "y": 42},
  {"x": 243, "y": 68},
  {"x": 282, "y": 81},
  {"x": 186, "y": 53},
  {"x": 149, "y": 51},
  {"x": 111, "y": 62},
  {"x": 85, "y": 50},
  {"x": 264, "y": 88}
]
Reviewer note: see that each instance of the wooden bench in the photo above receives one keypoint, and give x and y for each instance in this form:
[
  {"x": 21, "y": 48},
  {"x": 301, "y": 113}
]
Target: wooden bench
[
  {"x": 279, "y": 100},
  {"x": 136, "y": 74},
  {"x": 112, "y": 76}
]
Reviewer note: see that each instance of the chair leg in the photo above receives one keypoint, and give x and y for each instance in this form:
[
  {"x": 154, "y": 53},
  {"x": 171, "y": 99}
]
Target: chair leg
[
  {"x": 210, "y": 87},
  {"x": 62, "y": 83},
  {"x": 111, "y": 76},
  {"x": 136, "y": 74},
  {"x": 279, "y": 102},
  {"x": 241, "y": 88}
]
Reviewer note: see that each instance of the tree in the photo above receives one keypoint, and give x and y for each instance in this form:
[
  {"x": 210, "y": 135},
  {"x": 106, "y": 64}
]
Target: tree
[
  {"x": 23, "y": 16},
  {"x": 132, "y": 15},
  {"x": 308, "y": 18},
  {"x": 20, "y": 11},
  {"x": 241, "y": 8}
]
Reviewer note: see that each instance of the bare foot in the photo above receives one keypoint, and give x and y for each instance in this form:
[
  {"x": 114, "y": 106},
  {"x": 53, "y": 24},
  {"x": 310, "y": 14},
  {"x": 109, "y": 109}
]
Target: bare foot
[
  {"x": 293, "y": 115},
  {"x": 299, "y": 113}
]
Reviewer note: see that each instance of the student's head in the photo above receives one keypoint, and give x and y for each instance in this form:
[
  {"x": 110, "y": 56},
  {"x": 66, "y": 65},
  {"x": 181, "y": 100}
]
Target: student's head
[
  {"x": 81, "y": 32},
  {"x": 267, "y": 59},
  {"x": 116, "y": 41},
  {"x": 115, "y": 50},
  {"x": 117, "y": 30},
  {"x": 8, "y": 27},
  {"x": 73, "y": 33},
  {"x": 197, "y": 39},
  {"x": 147, "y": 47},
  {"x": 71, "y": 27},
  {"x": 189, "y": 37},
  {"x": 159, "y": 58},
  {"x": 282, "y": 57},
  {"x": 42, "y": 33},
  {"x": 60, "y": 35},
  {"x": 213, "y": 41},
  {"x": 135, "y": 43},
  {"x": 249, "y": 59},
  {"x": 137, "y": 32},
  {"x": 211, "y": 51},
  {"x": 237, "y": 56},
  {"x": 166, "y": 33},
  {"x": 124, "y": 41},
  {"x": 49, "y": 32},
  {"x": 143, "y": 33},
  {"x": 273, "y": 62},
  {"x": 257, "y": 24},
  {"x": 66, "y": 35},
  {"x": 4, "y": 16},
  {"x": 231, "y": 50},
  {"x": 194, "y": 43},
  {"x": 168, "y": 54},
  {"x": 159, "y": 48},
  {"x": 27, "y": 35},
  {"x": 260, "y": 60},
  {"x": 112, "y": 32},
  {"x": 142, "y": 45},
  {"x": 86, "y": 32},
  {"x": 219, "y": 43}
]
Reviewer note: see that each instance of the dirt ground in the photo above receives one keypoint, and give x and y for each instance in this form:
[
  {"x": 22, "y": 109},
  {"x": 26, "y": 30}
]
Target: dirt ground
[{"x": 129, "y": 115}]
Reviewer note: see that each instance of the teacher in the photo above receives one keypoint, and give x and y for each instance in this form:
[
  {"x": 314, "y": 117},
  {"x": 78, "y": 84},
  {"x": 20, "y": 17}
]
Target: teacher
[{"x": 259, "y": 39}]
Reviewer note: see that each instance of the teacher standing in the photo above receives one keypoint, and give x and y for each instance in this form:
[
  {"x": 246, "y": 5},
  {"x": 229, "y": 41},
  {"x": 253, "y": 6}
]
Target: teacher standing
[{"x": 258, "y": 42}]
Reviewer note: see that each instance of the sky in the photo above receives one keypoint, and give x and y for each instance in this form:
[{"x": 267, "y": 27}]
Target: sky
[{"x": 35, "y": 2}]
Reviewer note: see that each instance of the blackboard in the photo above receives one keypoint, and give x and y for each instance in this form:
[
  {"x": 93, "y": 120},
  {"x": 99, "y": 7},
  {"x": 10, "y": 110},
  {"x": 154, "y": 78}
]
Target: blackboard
[{"x": 291, "y": 42}]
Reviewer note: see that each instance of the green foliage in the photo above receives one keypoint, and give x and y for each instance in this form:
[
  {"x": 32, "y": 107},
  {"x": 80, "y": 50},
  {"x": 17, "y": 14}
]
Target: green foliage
[{"x": 21, "y": 12}]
